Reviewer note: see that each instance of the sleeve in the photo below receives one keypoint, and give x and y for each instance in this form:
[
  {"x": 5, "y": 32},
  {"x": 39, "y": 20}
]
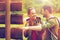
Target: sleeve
[
  {"x": 50, "y": 23},
  {"x": 27, "y": 22},
  {"x": 26, "y": 32}
]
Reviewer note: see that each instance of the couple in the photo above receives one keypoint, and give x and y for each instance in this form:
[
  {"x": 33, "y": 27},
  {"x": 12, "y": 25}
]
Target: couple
[{"x": 38, "y": 30}]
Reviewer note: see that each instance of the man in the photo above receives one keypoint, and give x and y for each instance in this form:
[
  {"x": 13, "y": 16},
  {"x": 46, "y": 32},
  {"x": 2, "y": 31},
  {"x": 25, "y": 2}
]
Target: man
[
  {"x": 33, "y": 20},
  {"x": 51, "y": 23},
  {"x": 51, "y": 26}
]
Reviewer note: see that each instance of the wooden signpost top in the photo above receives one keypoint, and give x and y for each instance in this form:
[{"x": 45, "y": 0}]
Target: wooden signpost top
[{"x": 15, "y": 5}]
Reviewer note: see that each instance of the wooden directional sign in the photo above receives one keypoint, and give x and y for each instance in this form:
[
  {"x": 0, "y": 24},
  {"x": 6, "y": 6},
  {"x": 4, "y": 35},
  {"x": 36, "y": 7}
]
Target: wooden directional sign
[
  {"x": 15, "y": 19},
  {"x": 15, "y": 5},
  {"x": 2, "y": 6},
  {"x": 16, "y": 33}
]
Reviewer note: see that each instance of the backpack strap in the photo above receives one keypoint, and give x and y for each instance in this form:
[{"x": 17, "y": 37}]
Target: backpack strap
[
  {"x": 55, "y": 36},
  {"x": 56, "y": 18}
]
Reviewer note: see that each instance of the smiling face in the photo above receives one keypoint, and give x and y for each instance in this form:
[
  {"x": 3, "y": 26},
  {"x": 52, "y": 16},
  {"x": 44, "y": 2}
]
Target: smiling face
[
  {"x": 31, "y": 13},
  {"x": 44, "y": 13}
]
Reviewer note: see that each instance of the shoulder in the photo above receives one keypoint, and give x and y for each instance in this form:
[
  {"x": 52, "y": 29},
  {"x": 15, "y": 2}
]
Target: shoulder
[
  {"x": 27, "y": 19},
  {"x": 53, "y": 20}
]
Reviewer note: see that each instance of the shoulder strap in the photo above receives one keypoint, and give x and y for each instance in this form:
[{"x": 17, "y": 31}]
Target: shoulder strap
[
  {"x": 55, "y": 36},
  {"x": 57, "y": 20}
]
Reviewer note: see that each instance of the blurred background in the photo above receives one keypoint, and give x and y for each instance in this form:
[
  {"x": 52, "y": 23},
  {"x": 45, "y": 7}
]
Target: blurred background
[{"x": 18, "y": 8}]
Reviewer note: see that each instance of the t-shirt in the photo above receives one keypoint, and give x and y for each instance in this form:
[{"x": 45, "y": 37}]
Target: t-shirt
[{"x": 52, "y": 25}]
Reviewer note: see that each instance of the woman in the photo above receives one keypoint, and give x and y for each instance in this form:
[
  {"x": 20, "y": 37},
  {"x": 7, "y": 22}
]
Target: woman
[{"x": 33, "y": 20}]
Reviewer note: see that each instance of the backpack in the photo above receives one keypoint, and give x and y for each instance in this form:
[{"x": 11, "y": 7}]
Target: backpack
[{"x": 55, "y": 37}]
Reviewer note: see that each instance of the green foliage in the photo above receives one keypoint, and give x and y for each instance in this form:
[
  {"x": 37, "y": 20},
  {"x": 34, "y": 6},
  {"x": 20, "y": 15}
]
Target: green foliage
[{"x": 37, "y": 4}]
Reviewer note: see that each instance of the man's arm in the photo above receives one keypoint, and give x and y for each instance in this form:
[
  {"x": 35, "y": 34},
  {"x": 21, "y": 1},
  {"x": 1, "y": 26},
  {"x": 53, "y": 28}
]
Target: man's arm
[
  {"x": 38, "y": 28},
  {"x": 49, "y": 24}
]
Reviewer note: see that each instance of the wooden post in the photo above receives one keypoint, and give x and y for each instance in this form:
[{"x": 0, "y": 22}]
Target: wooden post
[{"x": 7, "y": 20}]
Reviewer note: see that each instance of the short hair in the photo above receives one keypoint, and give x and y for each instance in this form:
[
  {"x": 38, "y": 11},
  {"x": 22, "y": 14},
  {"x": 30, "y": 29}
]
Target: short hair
[
  {"x": 28, "y": 11},
  {"x": 31, "y": 10},
  {"x": 49, "y": 8}
]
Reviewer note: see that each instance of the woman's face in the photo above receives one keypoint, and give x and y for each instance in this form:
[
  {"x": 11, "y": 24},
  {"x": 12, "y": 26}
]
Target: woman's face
[{"x": 31, "y": 14}]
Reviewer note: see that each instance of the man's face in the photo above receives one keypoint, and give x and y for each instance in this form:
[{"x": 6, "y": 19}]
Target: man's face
[{"x": 44, "y": 13}]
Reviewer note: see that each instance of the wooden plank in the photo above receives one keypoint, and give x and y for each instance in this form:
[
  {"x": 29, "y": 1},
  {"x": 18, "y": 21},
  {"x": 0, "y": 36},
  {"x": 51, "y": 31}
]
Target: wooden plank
[
  {"x": 13, "y": 19},
  {"x": 2, "y": 6},
  {"x": 11, "y": 0},
  {"x": 15, "y": 6},
  {"x": 16, "y": 33}
]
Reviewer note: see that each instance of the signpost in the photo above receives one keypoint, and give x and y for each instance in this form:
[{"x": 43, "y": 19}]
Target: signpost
[
  {"x": 7, "y": 20},
  {"x": 7, "y": 6}
]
